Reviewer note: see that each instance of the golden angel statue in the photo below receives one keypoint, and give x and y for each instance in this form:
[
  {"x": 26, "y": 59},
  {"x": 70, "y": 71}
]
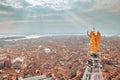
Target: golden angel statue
[{"x": 94, "y": 41}]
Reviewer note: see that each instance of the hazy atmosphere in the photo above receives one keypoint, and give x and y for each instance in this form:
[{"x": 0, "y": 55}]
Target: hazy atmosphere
[
  {"x": 59, "y": 39},
  {"x": 59, "y": 16}
]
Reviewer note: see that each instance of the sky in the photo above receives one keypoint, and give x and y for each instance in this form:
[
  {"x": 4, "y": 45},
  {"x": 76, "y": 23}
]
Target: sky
[{"x": 59, "y": 16}]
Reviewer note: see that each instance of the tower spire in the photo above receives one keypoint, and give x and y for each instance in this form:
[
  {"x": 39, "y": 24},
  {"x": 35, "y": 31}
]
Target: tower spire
[
  {"x": 93, "y": 28},
  {"x": 93, "y": 69}
]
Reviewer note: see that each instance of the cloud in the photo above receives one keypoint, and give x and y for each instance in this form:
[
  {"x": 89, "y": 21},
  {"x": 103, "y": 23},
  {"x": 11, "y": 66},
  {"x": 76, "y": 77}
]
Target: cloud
[
  {"x": 109, "y": 6},
  {"x": 54, "y": 4},
  {"x": 3, "y": 12},
  {"x": 11, "y": 3},
  {"x": 17, "y": 21},
  {"x": 5, "y": 29},
  {"x": 29, "y": 21},
  {"x": 82, "y": 0},
  {"x": 36, "y": 16},
  {"x": 97, "y": 5}
]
